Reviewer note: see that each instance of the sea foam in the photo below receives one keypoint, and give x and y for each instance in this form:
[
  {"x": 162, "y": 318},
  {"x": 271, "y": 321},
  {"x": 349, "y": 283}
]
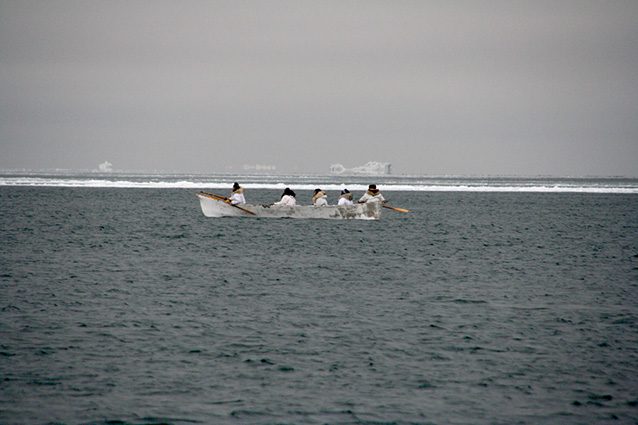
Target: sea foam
[{"x": 332, "y": 183}]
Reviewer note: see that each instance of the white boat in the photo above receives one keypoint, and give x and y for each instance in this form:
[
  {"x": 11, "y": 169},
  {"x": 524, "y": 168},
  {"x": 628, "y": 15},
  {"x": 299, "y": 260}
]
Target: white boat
[{"x": 218, "y": 206}]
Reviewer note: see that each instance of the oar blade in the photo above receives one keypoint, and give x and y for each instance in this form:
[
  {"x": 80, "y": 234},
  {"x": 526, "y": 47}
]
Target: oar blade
[{"x": 403, "y": 210}]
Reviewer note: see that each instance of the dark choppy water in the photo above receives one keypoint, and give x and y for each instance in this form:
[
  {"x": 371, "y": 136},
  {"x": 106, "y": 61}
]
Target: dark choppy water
[{"x": 129, "y": 306}]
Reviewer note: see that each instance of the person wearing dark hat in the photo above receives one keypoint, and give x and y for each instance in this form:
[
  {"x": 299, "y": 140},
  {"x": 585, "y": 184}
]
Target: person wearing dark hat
[
  {"x": 287, "y": 198},
  {"x": 372, "y": 195},
  {"x": 237, "y": 197},
  {"x": 345, "y": 198},
  {"x": 319, "y": 198}
]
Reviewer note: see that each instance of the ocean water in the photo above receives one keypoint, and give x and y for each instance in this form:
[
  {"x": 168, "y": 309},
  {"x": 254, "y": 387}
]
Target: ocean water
[{"x": 125, "y": 305}]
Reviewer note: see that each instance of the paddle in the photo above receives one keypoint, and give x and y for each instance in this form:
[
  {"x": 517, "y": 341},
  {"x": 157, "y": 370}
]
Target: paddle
[
  {"x": 222, "y": 198},
  {"x": 396, "y": 209}
]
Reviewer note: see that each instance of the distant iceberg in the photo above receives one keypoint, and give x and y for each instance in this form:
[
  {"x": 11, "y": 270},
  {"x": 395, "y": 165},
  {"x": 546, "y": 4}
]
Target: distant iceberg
[
  {"x": 259, "y": 167},
  {"x": 105, "y": 167},
  {"x": 372, "y": 168}
]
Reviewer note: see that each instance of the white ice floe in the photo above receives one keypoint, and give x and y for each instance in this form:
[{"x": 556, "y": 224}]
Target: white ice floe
[{"x": 372, "y": 168}]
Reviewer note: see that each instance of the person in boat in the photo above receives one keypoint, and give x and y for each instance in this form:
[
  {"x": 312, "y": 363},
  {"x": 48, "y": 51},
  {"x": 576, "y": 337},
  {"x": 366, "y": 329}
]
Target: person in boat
[
  {"x": 345, "y": 198},
  {"x": 237, "y": 197},
  {"x": 372, "y": 195},
  {"x": 287, "y": 198},
  {"x": 319, "y": 198}
]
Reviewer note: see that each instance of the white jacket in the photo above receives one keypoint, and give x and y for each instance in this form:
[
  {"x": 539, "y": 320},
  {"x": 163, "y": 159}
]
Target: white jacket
[
  {"x": 322, "y": 200},
  {"x": 344, "y": 201},
  {"x": 369, "y": 197},
  {"x": 287, "y": 200},
  {"x": 237, "y": 198}
]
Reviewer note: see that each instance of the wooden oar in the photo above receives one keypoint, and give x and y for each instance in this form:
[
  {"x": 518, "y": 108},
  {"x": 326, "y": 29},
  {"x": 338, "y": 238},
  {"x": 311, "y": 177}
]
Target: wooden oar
[
  {"x": 223, "y": 198},
  {"x": 396, "y": 209},
  {"x": 212, "y": 195}
]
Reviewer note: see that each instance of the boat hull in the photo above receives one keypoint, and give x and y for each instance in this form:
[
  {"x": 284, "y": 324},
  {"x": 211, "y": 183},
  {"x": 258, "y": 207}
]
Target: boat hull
[{"x": 212, "y": 207}]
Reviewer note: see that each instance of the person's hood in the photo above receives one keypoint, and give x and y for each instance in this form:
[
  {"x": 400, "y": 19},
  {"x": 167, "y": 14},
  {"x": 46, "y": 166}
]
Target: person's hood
[{"x": 318, "y": 195}]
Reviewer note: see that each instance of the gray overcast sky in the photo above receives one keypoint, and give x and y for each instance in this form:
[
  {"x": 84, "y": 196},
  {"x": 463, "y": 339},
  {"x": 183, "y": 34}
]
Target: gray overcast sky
[{"x": 433, "y": 87}]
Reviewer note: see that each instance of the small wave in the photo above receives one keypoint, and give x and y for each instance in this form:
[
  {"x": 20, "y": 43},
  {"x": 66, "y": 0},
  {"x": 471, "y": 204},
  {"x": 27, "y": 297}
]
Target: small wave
[{"x": 463, "y": 301}]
